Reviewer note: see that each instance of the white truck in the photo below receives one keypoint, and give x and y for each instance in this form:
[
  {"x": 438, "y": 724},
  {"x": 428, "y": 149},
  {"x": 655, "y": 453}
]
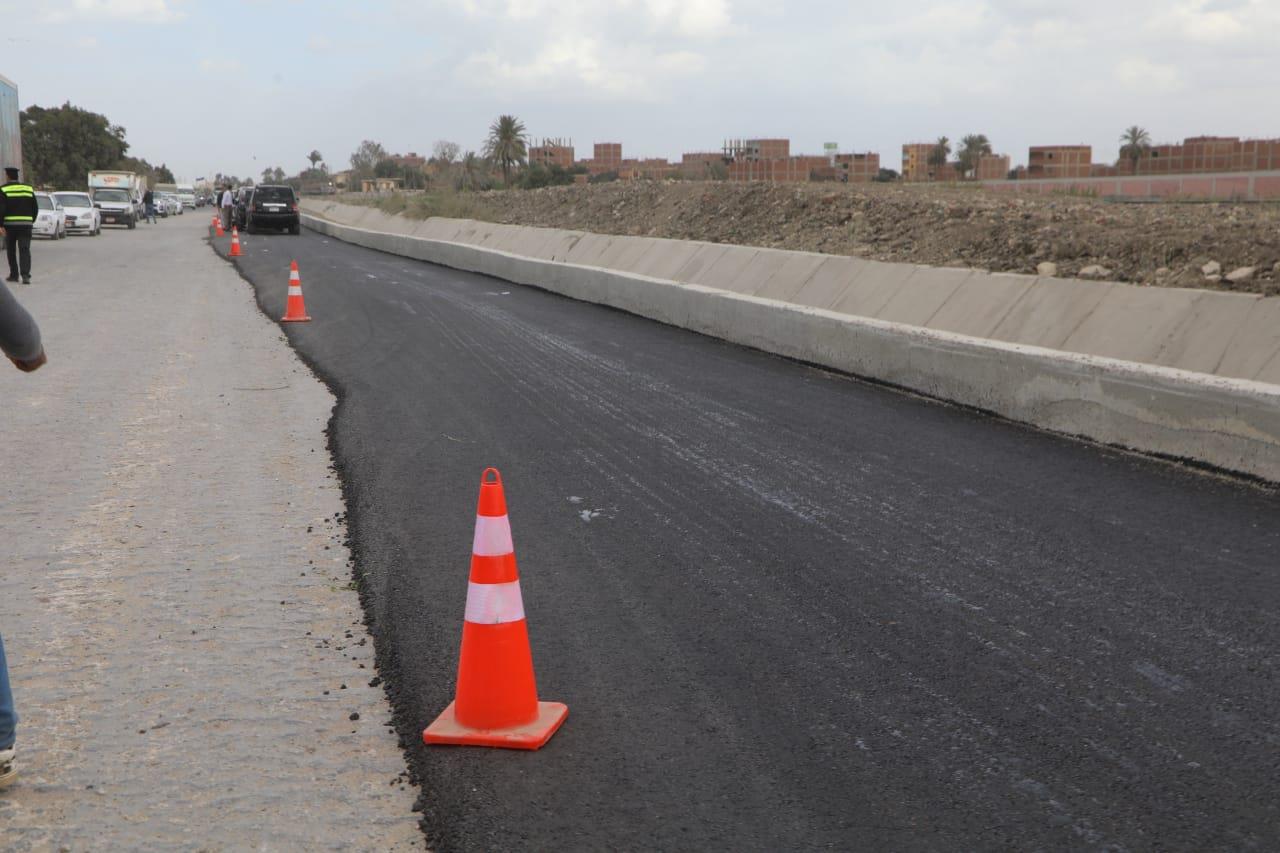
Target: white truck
[
  {"x": 118, "y": 195},
  {"x": 187, "y": 195}
]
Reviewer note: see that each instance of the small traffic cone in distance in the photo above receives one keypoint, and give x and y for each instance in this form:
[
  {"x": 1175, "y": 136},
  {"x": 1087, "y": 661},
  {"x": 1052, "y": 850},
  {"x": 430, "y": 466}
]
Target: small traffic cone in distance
[
  {"x": 235, "y": 243},
  {"x": 496, "y": 703},
  {"x": 217, "y": 224},
  {"x": 295, "y": 310}
]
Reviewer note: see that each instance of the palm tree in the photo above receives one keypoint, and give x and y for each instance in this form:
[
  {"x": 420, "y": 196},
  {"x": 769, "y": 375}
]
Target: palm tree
[
  {"x": 506, "y": 145},
  {"x": 972, "y": 147},
  {"x": 1134, "y": 144},
  {"x": 941, "y": 151},
  {"x": 315, "y": 157}
]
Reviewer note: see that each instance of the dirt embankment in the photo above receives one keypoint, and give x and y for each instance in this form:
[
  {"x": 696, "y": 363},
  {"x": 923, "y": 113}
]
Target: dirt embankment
[{"x": 1222, "y": 246}]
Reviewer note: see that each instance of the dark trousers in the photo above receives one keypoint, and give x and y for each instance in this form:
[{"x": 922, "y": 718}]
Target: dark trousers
[{"x": 17, "y": 245}]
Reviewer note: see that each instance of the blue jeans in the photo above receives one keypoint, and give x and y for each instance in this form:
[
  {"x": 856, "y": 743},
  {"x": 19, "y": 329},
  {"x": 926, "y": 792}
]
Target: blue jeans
[{"x": 8, "y": 716}]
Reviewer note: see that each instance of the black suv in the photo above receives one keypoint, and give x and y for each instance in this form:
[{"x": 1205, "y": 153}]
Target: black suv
[{"x": 272, "y": 206}]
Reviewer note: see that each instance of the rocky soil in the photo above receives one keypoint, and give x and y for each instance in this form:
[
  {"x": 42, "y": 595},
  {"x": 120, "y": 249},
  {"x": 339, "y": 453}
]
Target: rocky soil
[{"x": 1221, "y": 246}]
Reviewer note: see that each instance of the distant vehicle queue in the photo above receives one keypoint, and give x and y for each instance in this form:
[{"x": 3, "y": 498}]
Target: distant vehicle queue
[{"x": 113, "y": 198}]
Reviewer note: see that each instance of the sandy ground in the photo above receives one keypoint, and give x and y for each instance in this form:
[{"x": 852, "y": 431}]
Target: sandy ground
[{"x": 187, "y": 654}]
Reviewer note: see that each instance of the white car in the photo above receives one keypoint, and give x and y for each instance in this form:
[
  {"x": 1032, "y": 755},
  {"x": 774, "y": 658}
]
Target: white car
[
  {"x": 79, "y": 212},
  {"x": 171, "y": 202},
  {"x": 50, "y": 222}
]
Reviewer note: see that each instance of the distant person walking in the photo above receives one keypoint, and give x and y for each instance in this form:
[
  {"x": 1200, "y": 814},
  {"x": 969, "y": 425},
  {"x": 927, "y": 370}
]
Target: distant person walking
[
  {"x": 20, "y": 341},
  {"x": 149, "y": 202},
  {"x": 18, "y": 211},
  {"x": 225, "y": 204}
]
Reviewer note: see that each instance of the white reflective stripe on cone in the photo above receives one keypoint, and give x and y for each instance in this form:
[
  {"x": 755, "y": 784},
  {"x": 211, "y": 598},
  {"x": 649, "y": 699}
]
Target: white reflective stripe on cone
[
  {"x": 494, "y": 603},
  {"x": 295, "y": 290},
  {"x": 493, "y": 536}
]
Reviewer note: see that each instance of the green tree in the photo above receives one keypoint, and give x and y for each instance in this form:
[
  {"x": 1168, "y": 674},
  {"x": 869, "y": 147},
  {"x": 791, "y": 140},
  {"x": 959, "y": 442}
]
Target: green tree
[
  {"x": 507, "y": 145},
  {"x": 1135, "y": 143},
  {"x": 315, "y": 157},
  {"x": 940, "y": 152},
  {"x": 972, "y": 148},
  {"x": 163, "y": 174},
  {"x": 365, "y": 158},
  {"x": 61, "y": 145},
  {"x": 472, "y": 172},
  {"x": 266, "y": 175}
]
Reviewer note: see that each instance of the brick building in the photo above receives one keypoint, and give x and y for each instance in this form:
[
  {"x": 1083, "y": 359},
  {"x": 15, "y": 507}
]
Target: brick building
[
  {"x": 1059, "y": 161},
  {"x": 915, "y": 161},
  {"x": 552, "y": 152},
  {"x": 1207, "y": 154},
  {"x": 993, "y": 167},
  {"x": 412, "y": 160},
  {"x": 697, "y": 165}
]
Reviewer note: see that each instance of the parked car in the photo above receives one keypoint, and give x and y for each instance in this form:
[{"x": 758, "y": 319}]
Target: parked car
[
  {"x": 272, "y": 206},
  {"x": 80, "y": 214},
  {"x": 172, "y": 205},
  {"x": 51, "y": 221}
]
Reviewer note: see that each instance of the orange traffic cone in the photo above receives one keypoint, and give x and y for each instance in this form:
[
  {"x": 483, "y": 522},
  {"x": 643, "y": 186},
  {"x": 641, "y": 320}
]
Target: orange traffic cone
[
  {"x": 213, "y": 223},
  {"x": 496, "y": 703},
  {"x": 217, "y": 223},
  {"x": 295, "y": 310},
  {"x": 235, "y": 243}
]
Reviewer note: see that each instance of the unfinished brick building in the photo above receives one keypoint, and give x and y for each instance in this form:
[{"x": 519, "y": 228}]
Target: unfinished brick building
[{"x": 552, "y": 152}]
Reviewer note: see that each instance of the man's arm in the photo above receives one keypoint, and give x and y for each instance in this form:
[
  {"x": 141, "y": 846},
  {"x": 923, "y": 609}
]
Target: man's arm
[{"x": 19, "y": 335}]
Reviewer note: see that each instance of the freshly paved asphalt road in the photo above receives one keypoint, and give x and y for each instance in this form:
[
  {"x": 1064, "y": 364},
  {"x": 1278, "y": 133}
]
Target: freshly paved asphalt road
[{"x": 787, "y": 609}]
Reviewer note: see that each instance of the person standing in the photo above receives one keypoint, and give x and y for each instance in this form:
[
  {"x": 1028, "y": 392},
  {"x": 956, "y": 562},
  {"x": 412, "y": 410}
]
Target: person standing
[
  {"x": 18, "y": 210},
  {"x": 225, "y": 204},
  {"x": 149, "y": 202},
  {"x": 20, "y": 341}
]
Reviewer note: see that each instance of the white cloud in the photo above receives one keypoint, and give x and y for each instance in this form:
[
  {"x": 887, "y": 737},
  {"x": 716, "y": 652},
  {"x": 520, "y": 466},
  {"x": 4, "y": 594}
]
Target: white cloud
[
  {"x": 1142, "y": 76},
  {"x": 683, "y": 18},
  {"x": 142, "y": 11}
]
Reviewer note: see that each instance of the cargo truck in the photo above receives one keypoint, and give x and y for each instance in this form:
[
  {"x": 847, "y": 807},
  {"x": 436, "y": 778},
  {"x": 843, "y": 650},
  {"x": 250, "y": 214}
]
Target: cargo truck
[
  {"x": 118, "y": 195},
  {"x": 10, "y": 133}
]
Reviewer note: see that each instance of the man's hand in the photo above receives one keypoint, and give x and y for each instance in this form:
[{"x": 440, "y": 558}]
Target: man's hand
[{"x": 31, "y": 364}]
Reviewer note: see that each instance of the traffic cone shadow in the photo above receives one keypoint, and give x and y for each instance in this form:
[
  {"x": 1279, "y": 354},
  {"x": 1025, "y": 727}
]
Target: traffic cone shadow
[{"x": 496, "y": 701}]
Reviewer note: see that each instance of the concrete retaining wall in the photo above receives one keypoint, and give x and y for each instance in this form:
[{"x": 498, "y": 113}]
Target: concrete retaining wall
[{"x": 1110, "y": 362}]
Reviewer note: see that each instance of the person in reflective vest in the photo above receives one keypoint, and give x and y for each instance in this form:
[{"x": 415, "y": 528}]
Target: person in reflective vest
[{"x": 18, "y": 211}]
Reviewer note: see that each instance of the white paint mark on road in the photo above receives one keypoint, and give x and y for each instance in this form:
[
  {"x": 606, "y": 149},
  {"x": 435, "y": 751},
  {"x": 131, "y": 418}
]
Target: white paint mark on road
[
  {"x": 588, "y": 514},
  {"x": 409, "y": 308},
  {"x": 370, "y": 275},
  {"x": 574, "y": 499},
  {"x": 1160, "y": 678}
]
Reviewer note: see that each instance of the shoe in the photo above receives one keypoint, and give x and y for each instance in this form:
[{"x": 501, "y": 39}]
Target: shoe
[
  {"x": 8, "y": 768},
  {"x": 12, "y": 278},
  {"x": 26, "y": 279}
]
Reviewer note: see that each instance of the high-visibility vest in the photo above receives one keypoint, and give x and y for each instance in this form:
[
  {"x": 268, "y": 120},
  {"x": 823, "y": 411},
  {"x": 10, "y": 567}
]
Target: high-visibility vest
[{"x": 15, "y": 191}]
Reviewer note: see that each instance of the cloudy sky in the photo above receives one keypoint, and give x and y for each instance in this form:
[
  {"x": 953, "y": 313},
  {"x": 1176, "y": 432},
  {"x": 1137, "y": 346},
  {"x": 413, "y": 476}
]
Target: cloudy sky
[{"x": 240, "y": 85}]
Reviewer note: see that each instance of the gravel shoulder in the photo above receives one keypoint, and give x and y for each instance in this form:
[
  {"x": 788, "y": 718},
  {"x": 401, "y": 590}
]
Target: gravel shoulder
[{"x": 187, "y": 653}]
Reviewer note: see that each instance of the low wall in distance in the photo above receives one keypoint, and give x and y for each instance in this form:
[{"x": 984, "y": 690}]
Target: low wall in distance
[
  {"x": 1204, "y": 186},
  {"x": 762, "y": 299}
]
